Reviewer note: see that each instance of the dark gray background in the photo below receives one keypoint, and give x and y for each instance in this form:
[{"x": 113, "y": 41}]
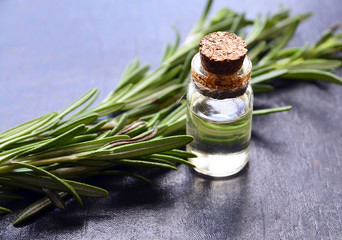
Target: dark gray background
[{"x": 51, "y": 52}]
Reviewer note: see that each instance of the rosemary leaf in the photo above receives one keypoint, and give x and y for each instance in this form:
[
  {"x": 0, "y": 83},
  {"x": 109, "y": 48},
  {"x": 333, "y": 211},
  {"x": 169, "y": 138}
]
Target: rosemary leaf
[
  {"x": 141, "y": 148},
  {"x": 179, "y": 153},
  {"x": 312, "y": 75},
  {"x": 171, "y": 159},
  {"x": 141, "y": 163},
  {"x": 259, "y": 88},
  {"x": 23, "y": 126},
  {"x": 34, "y": 209},
  {"x": 4, "y": 210},
  {"x": 268, "y": 76},
  {"x": 70, "y": 125},
  {"x": 78, "y": 102},
  {"x": 133, "y": 76},
  {"x": 52, "y": 176},
  {"x": 96, "y": 127},
  {"x": 11, "y": 196},
  {"x": 58, "y": 140},
  {"x": 55, "y": 198},
  {"x": 25, "y": 133},
  {"x": 44, "y": 182},
  {"x": 271, "y": 110}
]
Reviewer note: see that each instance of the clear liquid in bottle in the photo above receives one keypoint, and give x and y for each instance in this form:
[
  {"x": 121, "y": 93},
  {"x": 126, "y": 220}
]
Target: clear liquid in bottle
[{"x": 222, "y": 132}]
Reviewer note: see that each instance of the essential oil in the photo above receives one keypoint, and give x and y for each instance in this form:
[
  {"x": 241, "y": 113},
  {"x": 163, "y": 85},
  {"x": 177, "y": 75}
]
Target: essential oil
[{"x": 220, "y": 105}]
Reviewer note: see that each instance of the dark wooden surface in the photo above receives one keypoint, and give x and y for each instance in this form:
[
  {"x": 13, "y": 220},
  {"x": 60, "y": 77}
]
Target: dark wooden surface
[{"x": 51, "y": 52}]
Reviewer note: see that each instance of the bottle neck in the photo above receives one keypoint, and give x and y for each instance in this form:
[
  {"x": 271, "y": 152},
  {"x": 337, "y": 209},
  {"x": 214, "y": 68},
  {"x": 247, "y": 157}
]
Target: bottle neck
[{"x": 220, "y": 86}]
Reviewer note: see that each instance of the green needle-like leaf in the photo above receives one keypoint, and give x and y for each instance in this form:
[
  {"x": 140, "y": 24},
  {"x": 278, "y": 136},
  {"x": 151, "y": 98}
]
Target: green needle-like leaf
[
  {"x": 21, "y": 135},
  {"x": 4, "y": 210},
  {"x": 78, "y": 102},
  {"x": 142, "y": 148},
  {"x": 69, "y": 125},
  {"x": 52, "y": 176},
  {"x": 171, "y": 159},
  {"x": 23, "y": 126},
  {"x": 44, "y": 182},
  {"x": 179, "y": 153},
  {"x": 120, "y": 124},
  {"x": 317, "y": 64},
  {"x": 271, "y": 110},
  {"x": 141, "y": 163},
  {"x": 96, "y": 127},
  {"x": 312, "y": 75},
  {"x": 133, "y": 76},
  {"x": 268, "y": 76},
  {"x": 10, "y": 196},
  {"x": 34, "y": 209},
  {"x": 58, "y": 140},
  {"x": 259, "y": 88}
]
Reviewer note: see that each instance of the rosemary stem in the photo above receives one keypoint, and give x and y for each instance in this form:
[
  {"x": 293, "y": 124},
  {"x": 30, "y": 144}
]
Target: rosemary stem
[
  {"x": 9, "y": 166},
  {"x": 48, "y": 161}
]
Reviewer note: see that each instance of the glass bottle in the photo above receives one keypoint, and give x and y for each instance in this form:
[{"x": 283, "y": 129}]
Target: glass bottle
[{"x": 219, "y": 116}]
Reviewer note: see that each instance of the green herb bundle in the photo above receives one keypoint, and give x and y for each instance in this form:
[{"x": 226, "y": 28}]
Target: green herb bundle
[{"x": 142, "y": 122}]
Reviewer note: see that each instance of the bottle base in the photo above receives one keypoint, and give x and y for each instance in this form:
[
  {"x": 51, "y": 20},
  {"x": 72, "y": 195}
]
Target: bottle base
[{"x": 219, "y": 165}]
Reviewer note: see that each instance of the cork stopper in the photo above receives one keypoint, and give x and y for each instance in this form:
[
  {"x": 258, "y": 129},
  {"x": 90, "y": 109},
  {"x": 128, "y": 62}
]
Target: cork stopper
[
  {"x": 221, "y": 69},
  {"x": 222, "y": 52}
]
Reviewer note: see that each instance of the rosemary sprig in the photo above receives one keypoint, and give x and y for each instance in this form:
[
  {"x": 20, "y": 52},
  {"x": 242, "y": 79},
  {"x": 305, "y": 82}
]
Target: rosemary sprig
[{"x": 44, "y": 154}]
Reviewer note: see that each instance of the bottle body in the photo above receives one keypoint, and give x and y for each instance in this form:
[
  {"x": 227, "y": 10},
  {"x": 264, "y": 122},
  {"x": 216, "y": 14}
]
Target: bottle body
[{"x": 221, "y": 128}]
